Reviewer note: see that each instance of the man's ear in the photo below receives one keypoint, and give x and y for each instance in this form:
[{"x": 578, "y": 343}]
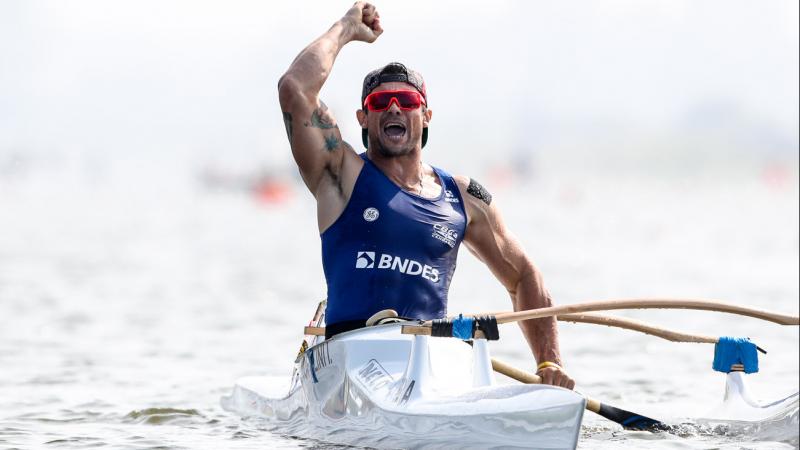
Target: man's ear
[
  {"x": 426, "y": 116},
  {"x": 361, "y": 115}
]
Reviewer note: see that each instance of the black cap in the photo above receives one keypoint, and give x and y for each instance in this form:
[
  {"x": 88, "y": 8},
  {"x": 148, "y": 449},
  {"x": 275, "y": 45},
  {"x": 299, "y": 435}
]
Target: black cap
[{"x": 393, "y": 71}]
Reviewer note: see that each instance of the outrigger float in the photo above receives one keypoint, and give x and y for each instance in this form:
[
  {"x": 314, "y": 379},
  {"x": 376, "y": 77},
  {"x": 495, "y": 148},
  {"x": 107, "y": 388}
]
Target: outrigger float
[{"x": 395, "y": 384}]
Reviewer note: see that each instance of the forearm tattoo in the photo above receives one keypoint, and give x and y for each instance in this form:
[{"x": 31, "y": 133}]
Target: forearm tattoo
[
  {"x": 287, "y": 121},
  {"x": 476, "y": 190}
]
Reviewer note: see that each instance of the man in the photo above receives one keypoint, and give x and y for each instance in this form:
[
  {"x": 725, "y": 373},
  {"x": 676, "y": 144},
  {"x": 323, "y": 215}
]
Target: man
[{"x": 391, "y": 225}]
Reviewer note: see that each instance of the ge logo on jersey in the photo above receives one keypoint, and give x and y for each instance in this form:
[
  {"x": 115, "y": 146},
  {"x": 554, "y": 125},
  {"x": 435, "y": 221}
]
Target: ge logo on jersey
[
  {"x": 371, "y": 214},
  {"x": 365, "y": 260}
]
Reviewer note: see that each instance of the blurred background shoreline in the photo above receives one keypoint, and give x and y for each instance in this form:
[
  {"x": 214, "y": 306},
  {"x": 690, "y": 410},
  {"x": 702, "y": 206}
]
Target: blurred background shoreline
[{"x": 620, "y": 88}]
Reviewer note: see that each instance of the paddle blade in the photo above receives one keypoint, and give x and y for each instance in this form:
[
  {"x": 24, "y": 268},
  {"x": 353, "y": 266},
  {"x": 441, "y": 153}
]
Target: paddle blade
[{"x": 630, "y": 420}]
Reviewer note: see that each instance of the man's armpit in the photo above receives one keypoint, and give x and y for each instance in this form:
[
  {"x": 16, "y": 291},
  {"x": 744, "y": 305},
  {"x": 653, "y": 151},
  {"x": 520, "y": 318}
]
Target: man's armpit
[{"x": 476, "y": 190}]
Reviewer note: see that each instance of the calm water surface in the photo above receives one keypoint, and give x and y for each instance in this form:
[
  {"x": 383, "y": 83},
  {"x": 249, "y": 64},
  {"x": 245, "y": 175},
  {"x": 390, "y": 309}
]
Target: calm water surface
[{"x": 127, "y": 312}]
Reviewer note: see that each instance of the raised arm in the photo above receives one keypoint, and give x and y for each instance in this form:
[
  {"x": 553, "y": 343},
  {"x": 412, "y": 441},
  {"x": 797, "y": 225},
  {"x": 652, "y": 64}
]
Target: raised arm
[
  {"x": 312, "y": 130},
  {"x": 488, "y": 239}
]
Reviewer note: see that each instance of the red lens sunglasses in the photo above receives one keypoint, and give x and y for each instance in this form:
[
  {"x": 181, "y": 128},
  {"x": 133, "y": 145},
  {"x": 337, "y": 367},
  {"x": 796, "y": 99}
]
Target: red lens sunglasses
[{"x": 405, "y": 100}]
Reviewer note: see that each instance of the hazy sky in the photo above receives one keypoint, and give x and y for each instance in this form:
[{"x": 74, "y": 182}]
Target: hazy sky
[{"x": 199, "y": 78}]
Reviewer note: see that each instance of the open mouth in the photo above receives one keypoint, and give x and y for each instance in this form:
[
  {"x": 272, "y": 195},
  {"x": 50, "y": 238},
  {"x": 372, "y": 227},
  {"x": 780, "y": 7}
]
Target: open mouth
[{"x": 394, "y": 130}]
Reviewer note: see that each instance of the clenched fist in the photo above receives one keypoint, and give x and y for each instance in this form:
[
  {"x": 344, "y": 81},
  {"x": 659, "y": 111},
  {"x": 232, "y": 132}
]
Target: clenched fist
[{"x": 364, "y": 22}]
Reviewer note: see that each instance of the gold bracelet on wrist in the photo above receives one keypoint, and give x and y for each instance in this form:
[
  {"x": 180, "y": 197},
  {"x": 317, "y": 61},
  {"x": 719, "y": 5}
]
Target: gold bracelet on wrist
[{"x": 545, "y": 364}]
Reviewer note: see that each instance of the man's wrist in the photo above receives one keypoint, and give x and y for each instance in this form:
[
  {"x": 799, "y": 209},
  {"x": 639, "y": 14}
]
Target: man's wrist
[
  {"x": 344, "y": 28},
  {"x": 546, "y": 364}
]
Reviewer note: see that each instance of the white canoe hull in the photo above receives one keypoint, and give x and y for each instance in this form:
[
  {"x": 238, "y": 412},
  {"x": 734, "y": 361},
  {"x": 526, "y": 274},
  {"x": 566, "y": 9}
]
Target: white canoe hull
[{"x": 377, "y": 387}]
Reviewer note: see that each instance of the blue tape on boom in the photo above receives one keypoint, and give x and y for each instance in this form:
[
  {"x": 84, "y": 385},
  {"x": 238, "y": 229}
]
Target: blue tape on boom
[
  {"x": 729, "y": 351},
  {"x": 462, "y": 327}
]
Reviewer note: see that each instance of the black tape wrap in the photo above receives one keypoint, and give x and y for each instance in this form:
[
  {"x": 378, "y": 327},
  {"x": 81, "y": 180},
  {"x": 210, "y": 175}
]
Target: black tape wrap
[
  {"x": 441, "y": 328},
  {"x": 488, "y": 324}
]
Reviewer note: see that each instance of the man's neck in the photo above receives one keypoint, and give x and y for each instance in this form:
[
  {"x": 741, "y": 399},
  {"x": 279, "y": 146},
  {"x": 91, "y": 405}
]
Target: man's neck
[{"x": 407, "y": 171}]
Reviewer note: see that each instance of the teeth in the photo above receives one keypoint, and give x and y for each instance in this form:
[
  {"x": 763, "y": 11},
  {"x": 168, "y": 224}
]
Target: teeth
[
  {"x": 394, "y": 130},
  {"x": 386, "y": 127}
]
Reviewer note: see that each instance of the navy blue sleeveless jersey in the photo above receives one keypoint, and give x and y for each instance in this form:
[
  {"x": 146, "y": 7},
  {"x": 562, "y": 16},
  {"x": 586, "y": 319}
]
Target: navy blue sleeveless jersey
[{"x": 391, "y": 249}]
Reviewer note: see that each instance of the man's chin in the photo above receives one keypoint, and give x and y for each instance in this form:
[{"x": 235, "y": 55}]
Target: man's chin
[{"x": 393, "y": 149}]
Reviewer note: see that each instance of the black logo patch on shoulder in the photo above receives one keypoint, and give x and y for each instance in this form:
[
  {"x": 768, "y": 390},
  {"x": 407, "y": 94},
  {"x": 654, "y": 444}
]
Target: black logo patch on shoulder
[{"x": 476, "y": 190}]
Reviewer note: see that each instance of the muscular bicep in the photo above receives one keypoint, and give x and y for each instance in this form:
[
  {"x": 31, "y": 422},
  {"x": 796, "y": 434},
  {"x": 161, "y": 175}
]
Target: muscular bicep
[
  {"x": 314, "y": 137},
  {"x": 489, "y": 239}
]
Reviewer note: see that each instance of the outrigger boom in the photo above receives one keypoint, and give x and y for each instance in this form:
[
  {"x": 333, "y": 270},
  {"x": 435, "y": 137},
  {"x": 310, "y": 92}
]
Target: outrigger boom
[{"x": 644, "y": 303}]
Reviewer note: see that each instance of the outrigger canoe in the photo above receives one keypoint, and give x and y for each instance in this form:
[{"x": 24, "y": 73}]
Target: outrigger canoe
[
  {"x": 394, "y": 385},
  {"x": 377, "y": 387}
]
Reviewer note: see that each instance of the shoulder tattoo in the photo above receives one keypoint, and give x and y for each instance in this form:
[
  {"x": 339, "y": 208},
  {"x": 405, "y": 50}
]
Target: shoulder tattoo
[
  {"x": 287, "y": 121},
  {"x": 322, "y": 118},
  {"x": 476, "y": 190}
]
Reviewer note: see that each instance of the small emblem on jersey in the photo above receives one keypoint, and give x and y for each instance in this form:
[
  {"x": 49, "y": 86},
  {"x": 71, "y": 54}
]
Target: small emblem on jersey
[
  {"x": 445, "y": 234},
  {"x": 449, "y": 196},
  {"x": 365, "y": 260},
  {"x": 371, "y": 214}
]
